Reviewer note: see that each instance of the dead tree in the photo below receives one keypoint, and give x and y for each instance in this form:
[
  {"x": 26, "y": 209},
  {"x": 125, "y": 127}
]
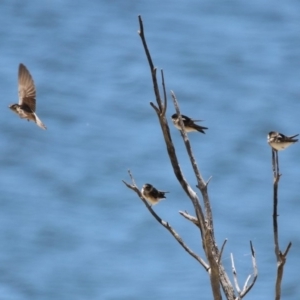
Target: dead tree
[{"x": 203, "y": 218}]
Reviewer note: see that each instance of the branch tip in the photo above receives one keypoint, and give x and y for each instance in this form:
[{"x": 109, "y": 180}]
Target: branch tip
[
  {"x": 209, "y": 179},
  {"x": 221, "y": 252}
]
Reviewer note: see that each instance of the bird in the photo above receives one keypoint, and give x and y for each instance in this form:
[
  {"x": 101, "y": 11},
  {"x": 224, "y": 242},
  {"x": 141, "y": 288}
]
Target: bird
[
  {"x": 189, "y": 124},
  {"x": 27, "y": 94},
  {"x": 279, "y": 141},
  {"x": 151, "y": 194}
]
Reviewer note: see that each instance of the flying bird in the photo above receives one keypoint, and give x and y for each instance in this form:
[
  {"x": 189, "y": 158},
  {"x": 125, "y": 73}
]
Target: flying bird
[
  {"x": 279, "y": 141},
  {"x": 189, "y": 124},
  {"x": 151, "y": 194},
  {"x": 27, "y": 94}
]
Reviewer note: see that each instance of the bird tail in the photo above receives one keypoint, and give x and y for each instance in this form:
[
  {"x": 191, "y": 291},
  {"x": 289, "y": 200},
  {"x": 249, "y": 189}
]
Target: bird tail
[
  {"x": 39, "y": 122},
  {"x": 162, "y": 194},
  {"x": 200, "y": 128},
  {"x": 292, "y": 138}
]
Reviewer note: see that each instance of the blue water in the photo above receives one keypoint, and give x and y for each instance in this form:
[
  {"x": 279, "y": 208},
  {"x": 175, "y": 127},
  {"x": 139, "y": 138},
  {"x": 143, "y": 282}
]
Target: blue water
[{"x": 69, "y": 228}]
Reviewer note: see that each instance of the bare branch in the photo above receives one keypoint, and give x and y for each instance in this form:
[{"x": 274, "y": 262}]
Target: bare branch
[
  {"x": 155, "y": 108},
  {"x": 281, "y": 258},
  {"x": 189, "y": 217},
  {"x": 165, "y": 94},
  {"x": 166, "y": 133},
  {"x": 209, "y": 244},
  {"x": 221, "y": 252},
  {"x": 235, "y": 276},
  {"x": 165, "y": 224},
  {"x": 201, "y": 183},
  {"x": 247, "y": 288},
  {"x": 246, "y": 282},
  {"x": 195, "y": 200},
  {"x": 285, "y": 253},
  {"x": 208, "y": 181},
  {"x": 152, "y": 69},
  {"x": 275, "y": 202}
]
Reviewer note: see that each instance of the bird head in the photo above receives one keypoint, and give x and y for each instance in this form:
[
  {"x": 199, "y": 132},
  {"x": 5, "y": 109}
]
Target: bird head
[{"x": 14, "y": 107}]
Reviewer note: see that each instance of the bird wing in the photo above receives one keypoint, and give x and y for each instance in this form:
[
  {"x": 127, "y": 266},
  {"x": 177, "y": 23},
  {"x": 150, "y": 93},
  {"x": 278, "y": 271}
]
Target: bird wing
[{"x": 27, "y": 91}]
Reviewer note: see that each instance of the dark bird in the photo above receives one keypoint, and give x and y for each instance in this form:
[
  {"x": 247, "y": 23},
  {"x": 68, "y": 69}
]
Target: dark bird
[
  {"x": 151, "y": 194},
  {"x": 279, "y": 141},
  {"x": 189, "y": 124},
  {"x": 27, "y": 94}
]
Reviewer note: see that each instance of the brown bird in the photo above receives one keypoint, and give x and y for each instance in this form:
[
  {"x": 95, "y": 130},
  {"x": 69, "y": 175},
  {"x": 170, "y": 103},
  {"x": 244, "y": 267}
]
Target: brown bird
[
  {"x": 27, "y": 94},
  {"x": 189, "y": 124},
  {"x": 151, "y": 194},
  {"x": 279, "y": 141}
]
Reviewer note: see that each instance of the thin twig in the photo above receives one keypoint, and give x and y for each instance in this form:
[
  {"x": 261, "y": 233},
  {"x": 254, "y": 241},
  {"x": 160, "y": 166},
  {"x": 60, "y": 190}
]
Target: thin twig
[
  {"x": 155, "y": 108},
  {"x": 189, "y": 217},
  {"x": 273, "y": 161},
  {"x": 208, "y": 181},
  {"x": 221, "y": 252},
  {"x": 246, "y": 282},
  {"x": 277, "y": 162},
  {"x": 285, "y": 253},
  {"x": 235, "y": 276},
  {"x": 247, "y": 288},
  {"x": 151, "y": 65},
  {"x": 163, "y": 113}
]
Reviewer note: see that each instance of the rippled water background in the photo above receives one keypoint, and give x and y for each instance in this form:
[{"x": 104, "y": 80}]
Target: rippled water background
[{"x": 69, "y": 228}]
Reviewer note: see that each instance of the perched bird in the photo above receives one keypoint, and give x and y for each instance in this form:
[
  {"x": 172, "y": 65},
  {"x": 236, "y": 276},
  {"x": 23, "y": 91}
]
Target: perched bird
[
  {"x": 26, "y": 107},
  {"x": 279, "y": 141},
  {"x": 151, "y": 194},
  {"x": 189, "y": 124}
]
